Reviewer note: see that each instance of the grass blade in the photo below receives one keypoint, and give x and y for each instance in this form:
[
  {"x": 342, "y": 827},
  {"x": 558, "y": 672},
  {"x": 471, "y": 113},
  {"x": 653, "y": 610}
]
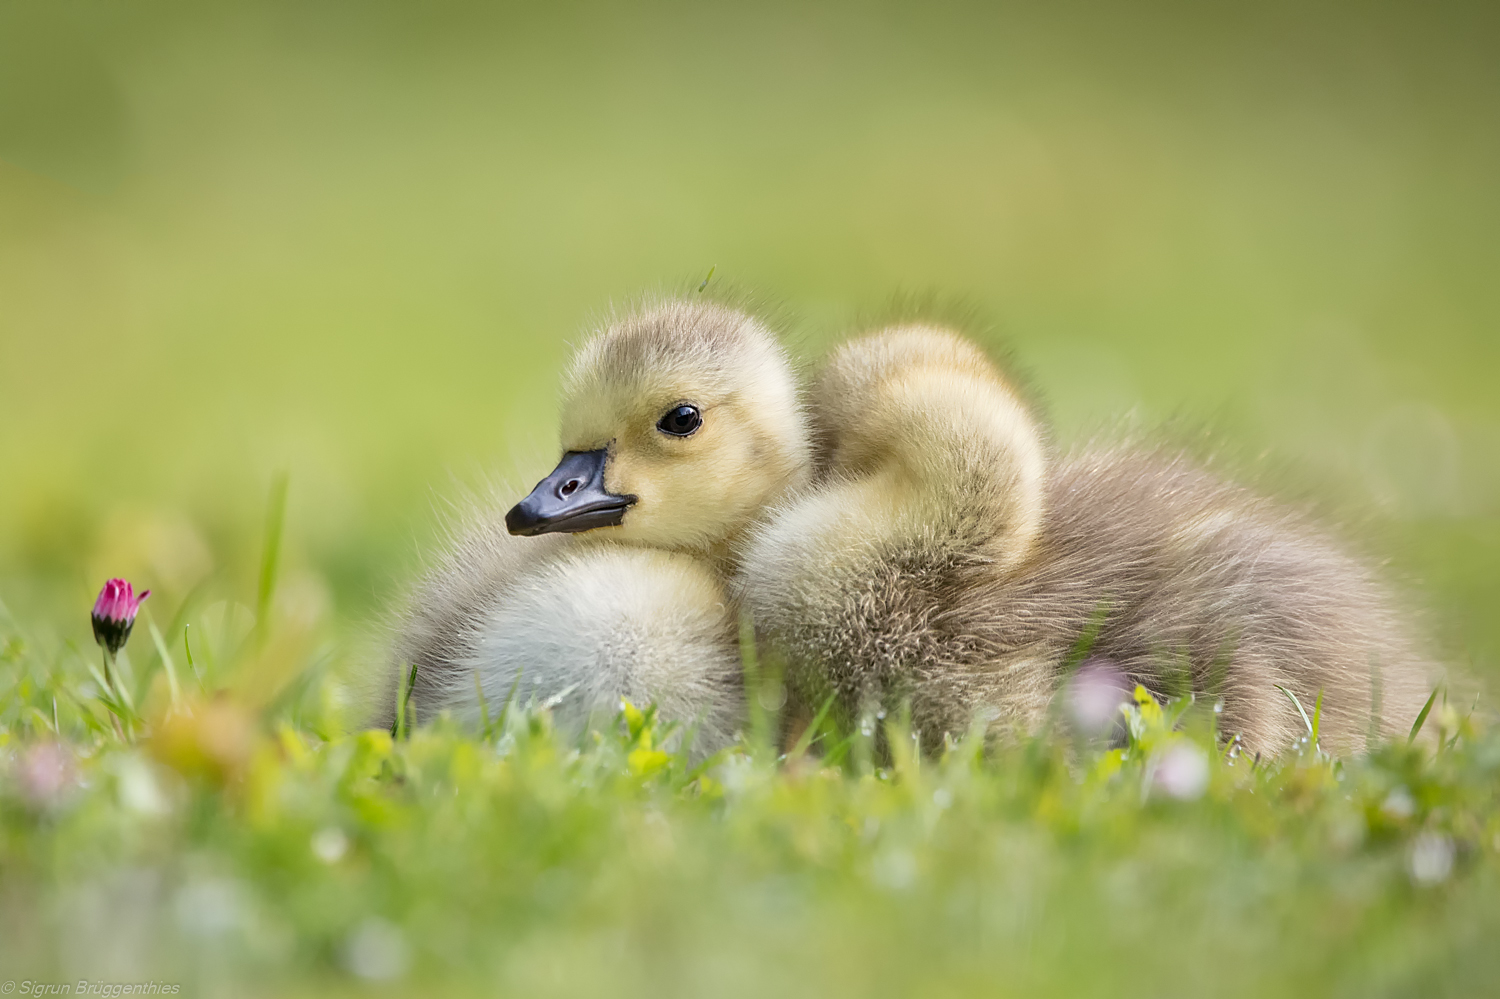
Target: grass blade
[
  {"x": 1416, "y": 728},
  {"x": 270, "y": 557},
  {"x": 1087, "y": 637},
  {"x": 166, "y": 661},
  {"x": 484, "y": 707},
  {"x": 503, "y": 718},
  {"x": 187, "y": 650},
  {"x": 812, "y": 731},
  {"x": 757, "y": 682},
  {"x": 403, "y": 701},
  {"x": 1298, "y": 705}
]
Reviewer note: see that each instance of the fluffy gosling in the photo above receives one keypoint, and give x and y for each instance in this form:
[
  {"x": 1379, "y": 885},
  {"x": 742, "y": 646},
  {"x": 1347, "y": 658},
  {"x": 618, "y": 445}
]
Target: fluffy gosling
[
  {"x": 945, "y": 557},
  {"x": 680, "y": 424}
]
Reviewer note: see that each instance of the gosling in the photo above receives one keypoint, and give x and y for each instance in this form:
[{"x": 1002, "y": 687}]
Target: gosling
[
  {"x": 943, "y": 557},
  {"x": 681, "y": 423}
]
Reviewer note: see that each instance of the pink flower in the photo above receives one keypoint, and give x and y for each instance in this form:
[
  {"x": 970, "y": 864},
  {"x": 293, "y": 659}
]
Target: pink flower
[
  {"x": 47, "y": 774},
  {"x": 1182, "y": 771},
  {"x": 114, "y": 614},
  {"x": 1094, "y": 695}
]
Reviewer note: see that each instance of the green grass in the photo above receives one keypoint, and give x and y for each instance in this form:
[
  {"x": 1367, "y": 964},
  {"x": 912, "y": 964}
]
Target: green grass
[
  {"x": 309, "y": 269},
  {"x": 248, "y": 848}
]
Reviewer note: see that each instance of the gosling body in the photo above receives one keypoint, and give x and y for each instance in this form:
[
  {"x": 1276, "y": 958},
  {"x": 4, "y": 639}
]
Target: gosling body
[
  {"x": 944, "y": 558},
  {"x": 575, "y": 626}
]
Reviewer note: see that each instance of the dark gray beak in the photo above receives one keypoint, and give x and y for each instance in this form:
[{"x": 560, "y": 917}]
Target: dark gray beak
[{"x": 571, "y": 499}]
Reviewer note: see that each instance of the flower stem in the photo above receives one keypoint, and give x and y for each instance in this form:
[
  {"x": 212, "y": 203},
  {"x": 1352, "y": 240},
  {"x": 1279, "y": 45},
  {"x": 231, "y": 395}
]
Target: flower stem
[{"x": 110, "y": 685}]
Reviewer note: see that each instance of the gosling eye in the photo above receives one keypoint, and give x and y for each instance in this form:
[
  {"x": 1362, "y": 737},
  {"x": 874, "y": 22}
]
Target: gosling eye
[{"x": 680, "y": 422}]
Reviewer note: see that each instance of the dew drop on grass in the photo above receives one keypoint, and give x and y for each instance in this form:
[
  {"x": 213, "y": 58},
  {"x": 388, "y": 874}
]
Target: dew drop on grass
[
  {"x": 1431, "y": 859},
  {"x": 139, "y": 790},
  {"x": 1346, "y": 832},
  {"x": 772, "y": 696},
  {"x": 210, "y": 908},
  {"x": 1398, "y": 804},
  {"x": 895, "y": 869},
  {"x": 329, "y": 845},
  {"x": 376, "y": 951}
]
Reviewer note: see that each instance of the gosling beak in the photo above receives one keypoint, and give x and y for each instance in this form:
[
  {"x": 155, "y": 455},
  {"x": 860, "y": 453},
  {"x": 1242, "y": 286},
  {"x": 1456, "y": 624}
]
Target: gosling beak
[{"x": 571, "y": 499}]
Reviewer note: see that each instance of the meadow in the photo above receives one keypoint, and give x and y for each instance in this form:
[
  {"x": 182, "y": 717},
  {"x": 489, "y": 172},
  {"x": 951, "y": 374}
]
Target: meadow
[{"x": 280, "y": 283}]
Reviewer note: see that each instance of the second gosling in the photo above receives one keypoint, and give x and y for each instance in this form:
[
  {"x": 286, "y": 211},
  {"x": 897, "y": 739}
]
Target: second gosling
[{"x": 947, "y": 559}]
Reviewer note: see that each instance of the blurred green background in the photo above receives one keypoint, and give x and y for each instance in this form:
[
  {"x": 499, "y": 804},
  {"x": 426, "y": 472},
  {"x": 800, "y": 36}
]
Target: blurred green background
[{"x": 352, "y": 241}]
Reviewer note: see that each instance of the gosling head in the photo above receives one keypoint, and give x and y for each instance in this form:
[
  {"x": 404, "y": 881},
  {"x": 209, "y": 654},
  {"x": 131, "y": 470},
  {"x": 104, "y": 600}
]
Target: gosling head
[
  {"x": 946, "y": 434},
  {"x": 680, "y": 422}
]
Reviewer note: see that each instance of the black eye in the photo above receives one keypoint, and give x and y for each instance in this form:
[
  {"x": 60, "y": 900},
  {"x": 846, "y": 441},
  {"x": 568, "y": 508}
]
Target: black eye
[{"x": 680, "y": 422}]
